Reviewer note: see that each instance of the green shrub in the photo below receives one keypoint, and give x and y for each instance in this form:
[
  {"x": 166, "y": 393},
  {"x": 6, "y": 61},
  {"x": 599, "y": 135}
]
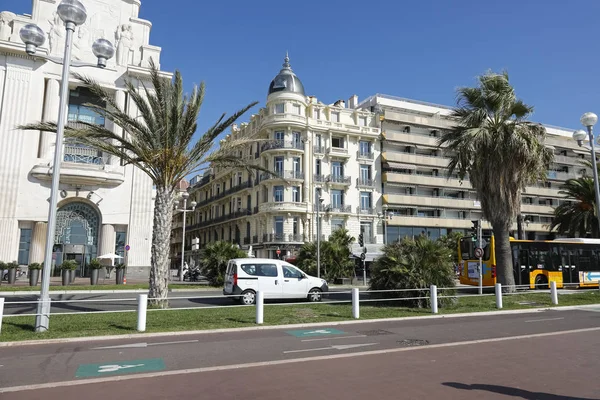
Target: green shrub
[
  {"x": 69, "y": 265},
  {"x": 35, "y": 266},
  {"x": 95, "y": 264}
]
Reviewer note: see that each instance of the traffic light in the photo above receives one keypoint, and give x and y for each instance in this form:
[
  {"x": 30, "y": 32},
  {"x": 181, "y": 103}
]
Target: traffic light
[{"x": 361, "y": 242}]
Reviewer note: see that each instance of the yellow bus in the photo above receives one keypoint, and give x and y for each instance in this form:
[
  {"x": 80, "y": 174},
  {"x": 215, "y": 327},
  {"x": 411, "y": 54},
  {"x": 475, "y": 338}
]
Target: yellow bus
[{"x": 568, "y": 262}]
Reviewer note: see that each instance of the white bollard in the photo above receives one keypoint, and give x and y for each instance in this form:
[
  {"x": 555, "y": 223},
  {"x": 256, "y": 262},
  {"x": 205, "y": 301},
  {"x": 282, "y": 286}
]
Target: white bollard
[
  {"x": 260, "y": 303},
  {"x": 433, "y": 297},
  {"x": 1, "y": 311},
  {"x": 498, "y": 295},
  {"x": 554, "y": 292},
  {"x": 141, "y": 312},
  {"x": 355, "y": 303}
]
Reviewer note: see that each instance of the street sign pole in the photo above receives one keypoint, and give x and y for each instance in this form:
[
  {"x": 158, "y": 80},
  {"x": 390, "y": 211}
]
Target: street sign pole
[
  {"x": 364, "y": 272},
  {"x": 480, "y": 260}
]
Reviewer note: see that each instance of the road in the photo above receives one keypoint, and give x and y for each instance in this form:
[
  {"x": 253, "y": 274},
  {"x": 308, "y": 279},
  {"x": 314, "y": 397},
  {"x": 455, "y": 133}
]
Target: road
[{"x": 543, "y": 355}]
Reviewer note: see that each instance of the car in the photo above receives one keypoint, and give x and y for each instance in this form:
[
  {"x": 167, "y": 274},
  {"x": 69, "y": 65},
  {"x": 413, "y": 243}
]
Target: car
[{"x": 277, "y": 279}]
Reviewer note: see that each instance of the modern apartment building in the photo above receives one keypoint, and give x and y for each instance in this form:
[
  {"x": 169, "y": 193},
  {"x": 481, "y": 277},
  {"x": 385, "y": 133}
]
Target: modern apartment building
[
  {"x": 418, "y": 198},
  {"x": 104, "y": 206},
  {"x": 316, "y": 151}
]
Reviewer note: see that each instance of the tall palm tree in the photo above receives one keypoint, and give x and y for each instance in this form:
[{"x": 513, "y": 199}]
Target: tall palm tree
[
  {"x": 500, "y": 152},
  {"x": 577, "y": 217},
  {"x": 161, "y": 143}
]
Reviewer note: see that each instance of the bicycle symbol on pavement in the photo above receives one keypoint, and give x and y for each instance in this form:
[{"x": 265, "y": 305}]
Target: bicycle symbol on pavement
[{"x": 117, "y": 367}]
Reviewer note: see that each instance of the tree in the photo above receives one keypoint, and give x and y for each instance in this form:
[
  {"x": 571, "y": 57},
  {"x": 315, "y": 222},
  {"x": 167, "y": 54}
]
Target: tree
[
  {"x": 451, "y": 242},
  {"x": 214, "y": 258},
  {"x": 335, "y": 256},
  {"x": 307, "y": 258},
  {"x": 500, "y": 152},
  {"x": 159, "y": 142},
  {"x": 577, "y": 216},
  {"x": 413, "y": 264}
]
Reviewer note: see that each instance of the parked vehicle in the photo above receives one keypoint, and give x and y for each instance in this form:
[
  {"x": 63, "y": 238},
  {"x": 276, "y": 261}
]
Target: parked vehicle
[
  {"x": 20, "y": 273},
  {"x": 277, "y": 279}
]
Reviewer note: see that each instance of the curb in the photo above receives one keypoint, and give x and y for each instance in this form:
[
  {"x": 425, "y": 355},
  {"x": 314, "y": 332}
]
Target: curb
[{"x": 290, "y": 326}]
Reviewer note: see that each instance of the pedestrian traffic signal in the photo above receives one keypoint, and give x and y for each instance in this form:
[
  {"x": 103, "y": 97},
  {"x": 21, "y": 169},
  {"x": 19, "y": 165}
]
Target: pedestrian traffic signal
[
  {"x": 360, "y": 240},
  {"x": 475, "y": 227}
]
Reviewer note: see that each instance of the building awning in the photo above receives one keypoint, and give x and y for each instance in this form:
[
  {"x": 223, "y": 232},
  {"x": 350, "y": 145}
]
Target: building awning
[{"x": 396, "y": 165}]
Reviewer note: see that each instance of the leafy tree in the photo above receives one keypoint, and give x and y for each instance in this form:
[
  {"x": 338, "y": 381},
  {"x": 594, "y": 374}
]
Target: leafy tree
[
  {"x": 577, "y": 217},
  {"x": 307, "y": 258},
  {"x": 500, "y": 152},
  {"x": 413, "y": 264},
  {"x": 335, "y": 256},
  {"x": 160, "y": 142},
  {"x": 214, "y": 258},
  {"x": 451, "y": 242}
]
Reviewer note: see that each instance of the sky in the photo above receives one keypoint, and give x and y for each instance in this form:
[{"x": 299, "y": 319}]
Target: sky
[{"x": 421, "y": 50}]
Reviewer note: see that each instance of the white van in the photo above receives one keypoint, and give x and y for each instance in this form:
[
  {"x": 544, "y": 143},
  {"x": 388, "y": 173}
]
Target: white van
[{"x": 277, "y": 279}]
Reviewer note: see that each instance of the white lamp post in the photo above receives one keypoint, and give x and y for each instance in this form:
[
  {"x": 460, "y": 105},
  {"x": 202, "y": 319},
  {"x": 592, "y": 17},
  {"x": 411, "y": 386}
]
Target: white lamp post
[
  {"x": 588, "y": 120},
  {"x": 73, "y": 13},
  {"x": 319, "y": 235},
  {"x": 185, "y": 196}
]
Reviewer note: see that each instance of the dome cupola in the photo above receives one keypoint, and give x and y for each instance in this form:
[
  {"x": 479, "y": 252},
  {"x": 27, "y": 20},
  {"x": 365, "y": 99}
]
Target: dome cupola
[{"x": 286, "y": 80}]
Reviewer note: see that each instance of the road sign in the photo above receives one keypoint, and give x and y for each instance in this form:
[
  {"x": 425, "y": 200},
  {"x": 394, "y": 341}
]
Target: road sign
[
  {"x": 127, "y": 247},
  {"x": 363, "y": 256},
  {"x": 315, "y": 332},
  {"x": 478, "y": 252},
  {"x": 483, "y": 243},
  {"x": 119, "y": 367}
]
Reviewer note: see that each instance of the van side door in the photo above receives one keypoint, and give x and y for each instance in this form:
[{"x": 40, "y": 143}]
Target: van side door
[{"x": 269, "y": 280}]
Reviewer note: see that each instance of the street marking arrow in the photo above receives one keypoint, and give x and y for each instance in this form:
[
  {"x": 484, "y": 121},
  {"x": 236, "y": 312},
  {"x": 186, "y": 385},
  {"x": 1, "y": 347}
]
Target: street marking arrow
[
  {"x": 142, "y": 345},
  {"x": 117, "y": 367},
  {"x": 335, "y": 347}
]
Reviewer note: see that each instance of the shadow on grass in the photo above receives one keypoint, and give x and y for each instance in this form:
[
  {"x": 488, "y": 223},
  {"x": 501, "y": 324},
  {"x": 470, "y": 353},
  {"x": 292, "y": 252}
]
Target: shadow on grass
[{"x": 24, "y": 327}]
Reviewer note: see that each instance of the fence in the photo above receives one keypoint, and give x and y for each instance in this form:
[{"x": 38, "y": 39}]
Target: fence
[{"x": 433, "y": 294}]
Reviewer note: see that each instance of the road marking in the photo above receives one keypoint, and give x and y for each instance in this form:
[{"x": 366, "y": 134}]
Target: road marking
[
  {"x": 315, "y": 332},
  {"x": 336, "y": 347},
  {"x": 281, "y": 362},
  {"x": 123, "y": 367},
  {"x": 142, "y": 345},
  {"x": 545, "y": 319},
  {"x": 333, "y": 338}
]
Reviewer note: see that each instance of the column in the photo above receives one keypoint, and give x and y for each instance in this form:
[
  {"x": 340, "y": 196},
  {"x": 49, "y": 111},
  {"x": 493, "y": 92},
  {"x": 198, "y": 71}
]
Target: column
[
  {"x": 38, "y": 242},
  {"x": 51, "y": 103},
  {"x": 120, "y": 100},
  {"x": 107, "y": 240}
]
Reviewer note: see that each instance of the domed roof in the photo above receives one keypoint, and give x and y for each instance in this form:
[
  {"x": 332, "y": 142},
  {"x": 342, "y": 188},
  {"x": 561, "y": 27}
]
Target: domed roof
[{"x": 286, "y": 80}]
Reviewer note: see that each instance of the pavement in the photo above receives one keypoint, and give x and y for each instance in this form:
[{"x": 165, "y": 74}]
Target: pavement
[{"x": 542, "y": 355}]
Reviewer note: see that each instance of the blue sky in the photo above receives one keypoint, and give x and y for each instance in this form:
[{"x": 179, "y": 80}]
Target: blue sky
[{"x": 416, "y": 49}]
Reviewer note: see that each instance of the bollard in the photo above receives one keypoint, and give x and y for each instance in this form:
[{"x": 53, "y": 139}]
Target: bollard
[
  {"x": 260, "y": 303},
  {"x": 498, "y": 295},
  {"x": 433, "y": 298},
  {"x": 355, "y": 303},
  {"x": 1, "y": 311},
  {"x": 141, "y": 312},
  {"x": 554, "y": 292}
]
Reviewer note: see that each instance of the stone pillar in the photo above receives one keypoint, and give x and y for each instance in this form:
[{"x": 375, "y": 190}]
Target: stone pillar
[
  {"x": 51, "y": 104},
  {"x": 120, "y": 100},
  {"x": 38, "y": 242},
  {"x": 107, "y": 240}
]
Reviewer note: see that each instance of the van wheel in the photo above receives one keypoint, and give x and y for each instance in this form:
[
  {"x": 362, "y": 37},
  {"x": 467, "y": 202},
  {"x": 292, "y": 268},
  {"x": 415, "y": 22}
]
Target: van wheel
[
  {"x": 314, "y": 295},
  {"x": 248, "y": 297},
  {"x": 541, "y": 282}
]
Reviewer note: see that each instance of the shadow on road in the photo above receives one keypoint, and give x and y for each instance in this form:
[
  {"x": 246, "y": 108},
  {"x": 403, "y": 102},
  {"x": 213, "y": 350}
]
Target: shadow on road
[{"x": 514, "y": 392}]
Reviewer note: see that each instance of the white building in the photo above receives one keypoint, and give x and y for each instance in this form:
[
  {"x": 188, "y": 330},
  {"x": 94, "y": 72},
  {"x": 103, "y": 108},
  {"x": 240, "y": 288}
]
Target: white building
[
  {"x": 104, "y": 206},
  {"x": 326, "y": 149}
]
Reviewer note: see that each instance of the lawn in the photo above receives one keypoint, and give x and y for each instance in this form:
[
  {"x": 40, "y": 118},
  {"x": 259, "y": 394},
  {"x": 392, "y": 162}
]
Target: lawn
[{"x": 61, "y": 326}]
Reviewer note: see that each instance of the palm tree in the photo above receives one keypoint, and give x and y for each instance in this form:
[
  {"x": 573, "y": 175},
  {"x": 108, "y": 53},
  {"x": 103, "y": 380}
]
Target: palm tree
[
  {"x": 336, "y": 255},
  {"x": 577, "y": 216},
  {"x": 214, "y": 258},
  {"x": 160, "y": 143},
  {"x": 500, "y": 152}
]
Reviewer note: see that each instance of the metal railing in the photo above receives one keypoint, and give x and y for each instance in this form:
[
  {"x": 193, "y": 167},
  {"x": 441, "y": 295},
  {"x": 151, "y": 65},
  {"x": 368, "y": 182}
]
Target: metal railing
[
  {"x": 341, "y": 179},
  {"x": 365, "y": 210},
  {"x": 282, "y": 144},
  {"x": 365, "y": 155},
  {"x": 366, "y": 182}
]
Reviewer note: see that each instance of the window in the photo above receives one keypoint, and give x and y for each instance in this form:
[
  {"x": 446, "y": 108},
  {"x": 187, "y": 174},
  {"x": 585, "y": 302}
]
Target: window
[
  {"x": 279, "y": 108},
  {"x": 365, "y": 200},
  {"x": 278, "y": 226},
  {"x": 362, "y": 121},
  {"x": 278, "y": 194},
  {"x": 335, "y": 116},
  {"x": 318, "y": 140},
  {"x": 77, "y": 110},
  {"x": 318, "y": 167},
  {"x": 337, "y": 142},
  {"x": 24, "y": 244},
  {"x": 337, "y": 168},
  {"x": 269, "y": 270},
  {"x": 279, "y": 164},
  {"x": 291, "y": 272},
  {"x": 365, "y": 229},
  {"x": 317, "y": 114},
  {"x": 337, "y": 223},
  {"x": 296, "y": 165},
  {"x": 279, "y": 135},
  {"x": 250, "y": 269},
  {"x": 364, "y": 148},
  {"x": 120, "y": 239},
  {"x": 337, "y": 198},
  {"x": 297, "y": 140},
  {"x": 295, "y": 225},
  {"x": 296, "y": 194},
  {"x": 296, "y": 109},
  {"x": 365, "y": 174}
]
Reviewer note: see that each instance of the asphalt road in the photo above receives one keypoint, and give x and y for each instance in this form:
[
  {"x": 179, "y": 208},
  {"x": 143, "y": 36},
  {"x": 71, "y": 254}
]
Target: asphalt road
[{"x": 543, "y": 355}]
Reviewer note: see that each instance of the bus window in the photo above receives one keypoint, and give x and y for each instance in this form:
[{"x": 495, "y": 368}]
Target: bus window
[
  {"x": 540, "y": 256},
  {"x": 466, "y": 248}
]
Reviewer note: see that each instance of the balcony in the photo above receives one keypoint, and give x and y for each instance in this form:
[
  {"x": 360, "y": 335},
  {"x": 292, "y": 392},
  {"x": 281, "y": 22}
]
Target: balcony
[
  {"x": 339, "y": 209},
  {"x": 361, "y": 155},
  {"x": 288, "y": 206},
  {"x": 425, "y": 180},
  {"x": 415, "y": 159},
  {"x": 365, "y": 182},
  {"x": 366, "y": 210},
  {"x": 561, "y": 176},
  {"x": 225, "y": 193},
  {"x": 282, "y": 144},
  {"x": 338, "y": 179},
  {"x": 283, "y": 238},
  {"x": 318, "y": 178},
  {"x": 431, "y": 201},
  {"x": 282, "y": 175},
  {"x": 317, "y": 149},
  {"x": 246, "y": 240},
  {"x": 338, "y": 152}
]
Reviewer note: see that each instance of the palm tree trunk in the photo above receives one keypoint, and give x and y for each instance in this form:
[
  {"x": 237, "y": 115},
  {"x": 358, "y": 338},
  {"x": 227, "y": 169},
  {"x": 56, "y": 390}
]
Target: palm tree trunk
[
  {"x": 161, "y": 234},
  {"x": 504, "y": 267}
]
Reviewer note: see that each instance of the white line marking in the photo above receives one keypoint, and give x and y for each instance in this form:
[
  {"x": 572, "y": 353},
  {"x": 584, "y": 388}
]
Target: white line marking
[
  {"x": 142, "y": 345},
  {"x": 179, "y": 342},
  {"x": 333, "y": 338},
  {"x": 336, "y": 347},
  {"x": 280, "y": 362},
  {"x": 544, "y": 319}
]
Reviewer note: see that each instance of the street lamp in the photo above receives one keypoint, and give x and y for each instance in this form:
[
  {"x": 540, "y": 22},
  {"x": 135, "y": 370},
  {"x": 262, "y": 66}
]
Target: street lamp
[
  {"x": 384, "y": 217},
  {"x": 319, "y": 235},
  {"x": 588, "y": 120},
  {"x": 73, "y": 13},
  {"x": 185, "y": 196}
]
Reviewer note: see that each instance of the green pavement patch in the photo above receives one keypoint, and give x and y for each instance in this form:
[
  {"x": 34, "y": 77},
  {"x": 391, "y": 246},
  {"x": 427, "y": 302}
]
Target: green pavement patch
[
  {"x": 64, "y": 326},
  {"x": 315, "y": 332},
  {"x": 119, "y": 368}
]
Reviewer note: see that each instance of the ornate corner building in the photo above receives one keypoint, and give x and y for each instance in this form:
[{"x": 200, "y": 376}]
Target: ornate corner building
[{"x": 105, "y": 207}]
